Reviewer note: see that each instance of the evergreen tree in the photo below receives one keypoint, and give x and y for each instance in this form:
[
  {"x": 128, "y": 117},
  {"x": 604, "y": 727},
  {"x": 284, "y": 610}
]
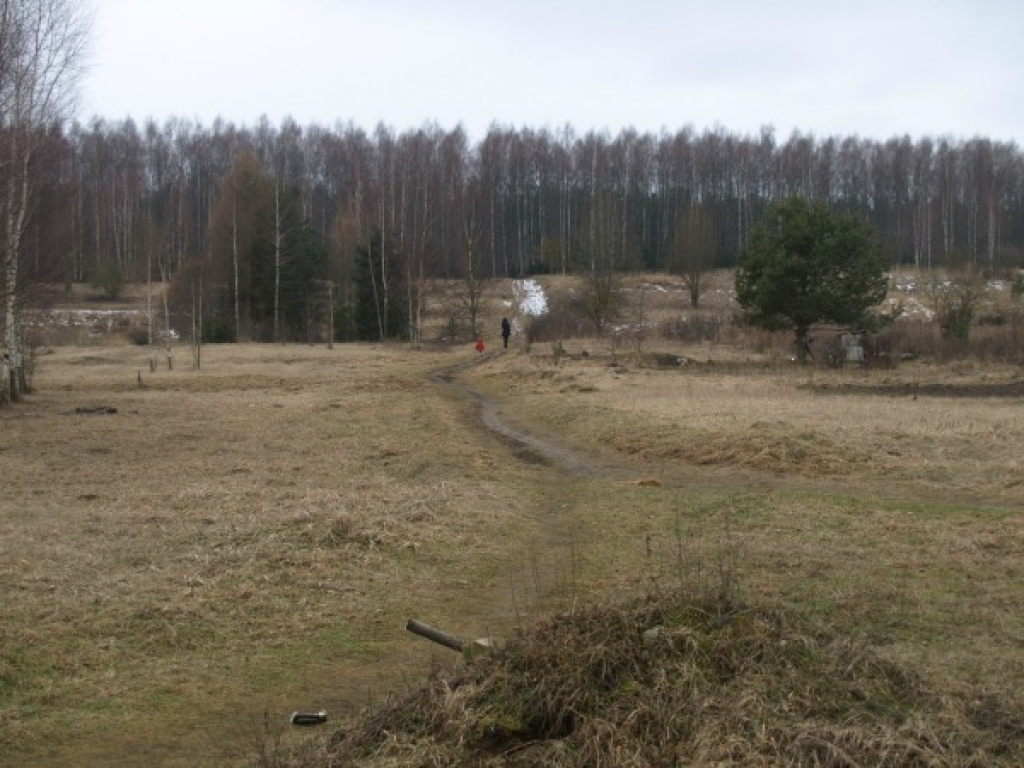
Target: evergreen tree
[{"x": 807, "y": 265}]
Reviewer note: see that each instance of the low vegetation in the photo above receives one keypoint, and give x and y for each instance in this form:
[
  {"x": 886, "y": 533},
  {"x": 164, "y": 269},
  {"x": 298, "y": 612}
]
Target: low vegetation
[
  {"x": 832, "y": 554},
  {"x": 674, "y": 681}
]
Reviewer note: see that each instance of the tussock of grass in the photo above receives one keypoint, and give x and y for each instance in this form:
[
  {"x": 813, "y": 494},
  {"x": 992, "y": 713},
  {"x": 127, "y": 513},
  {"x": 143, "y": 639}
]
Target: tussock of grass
[{"x": 714, "y": 685}]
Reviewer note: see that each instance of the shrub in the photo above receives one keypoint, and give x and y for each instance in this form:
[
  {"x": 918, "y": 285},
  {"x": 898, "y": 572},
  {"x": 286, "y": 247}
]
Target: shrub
[
  {"x": 218, "y": 329},
  {"x": 110, "y": 281},
  {"x": 138, "y": 335},
  {"x": 956, "y": 305},
  {"x": 563, "y": 320},
  {"x": 694, "y": 328},
  {"x": 1018, "y": 285}
]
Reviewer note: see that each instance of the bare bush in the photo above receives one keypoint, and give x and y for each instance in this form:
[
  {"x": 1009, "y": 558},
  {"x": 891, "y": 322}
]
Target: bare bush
[
  {"x": 694, "y": 328},
  {"x": 563, "y": 320},
  {"x": 998, "y": 343},
  {"x": 956, "y": 305}
]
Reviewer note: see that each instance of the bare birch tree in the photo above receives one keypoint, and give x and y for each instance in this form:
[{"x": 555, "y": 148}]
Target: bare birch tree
[
  {"x": 601, "y": 295},
  {"x": 694, "y": 251},
  {"x": 472, "y": 283},
  {"x": 42, "y": 44}
]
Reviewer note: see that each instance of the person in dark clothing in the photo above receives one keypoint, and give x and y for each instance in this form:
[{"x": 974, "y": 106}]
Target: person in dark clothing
[{"x": 506, "y": 330}]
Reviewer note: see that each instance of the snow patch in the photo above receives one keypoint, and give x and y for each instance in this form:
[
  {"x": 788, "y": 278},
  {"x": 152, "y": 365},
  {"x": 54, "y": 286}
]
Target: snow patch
[
  {"x": 81, "y": 318},
  {"x": 530, "y": 297},
  {"x": 96, "y": 321}
]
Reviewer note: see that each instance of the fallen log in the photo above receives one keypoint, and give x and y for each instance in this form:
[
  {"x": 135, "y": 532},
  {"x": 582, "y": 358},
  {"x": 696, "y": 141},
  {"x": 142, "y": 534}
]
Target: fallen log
[
  {"x": 436, "y": 635},
  {"x": 470, "y": 649}
]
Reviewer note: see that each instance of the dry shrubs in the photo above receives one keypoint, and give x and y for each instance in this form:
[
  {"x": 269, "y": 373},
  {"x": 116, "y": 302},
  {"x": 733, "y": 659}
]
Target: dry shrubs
[
  {"x": 998, "y": 341},
  {"x": 672, "y": 681}
]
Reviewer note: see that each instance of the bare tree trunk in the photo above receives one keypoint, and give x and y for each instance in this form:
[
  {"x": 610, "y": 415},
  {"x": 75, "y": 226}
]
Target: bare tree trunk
[
  {"x": 330, "y": 314},
  {"x": 991, "y": 235},
  {"x": 17, "y": 206},
  {"x": 164, "y": 276},
  {"x": 197, "y": 322},
  {"x": 234, "y": 256},
  {"x": 277, "y": 255},
  {"x": 593, "y": 219},
  {"x": 149, "y": 296},
  {"x": 567, "y": 251}
]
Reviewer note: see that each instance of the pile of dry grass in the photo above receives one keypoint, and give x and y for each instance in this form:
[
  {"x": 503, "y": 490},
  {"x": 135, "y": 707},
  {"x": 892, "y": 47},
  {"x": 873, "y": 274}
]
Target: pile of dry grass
[{"x": 669, "y": 681}]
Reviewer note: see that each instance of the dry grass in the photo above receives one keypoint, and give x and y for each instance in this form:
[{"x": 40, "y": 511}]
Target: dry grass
[
  {"x": 236, "y": 543},
  {"x": 673, "y": 681},
  {"x": 235, "y": 540},
  {"x": 893, "y": 588},
  {"x": 948, "y": 432},
  {"x": 896, "y": 515}
]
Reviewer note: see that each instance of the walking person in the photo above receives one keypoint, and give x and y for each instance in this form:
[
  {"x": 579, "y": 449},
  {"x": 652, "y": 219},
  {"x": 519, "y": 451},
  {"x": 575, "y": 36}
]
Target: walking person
[{"x": 506, "y": 330}]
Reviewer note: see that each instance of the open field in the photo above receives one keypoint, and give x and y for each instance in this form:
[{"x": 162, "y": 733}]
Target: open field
[
  {"x": 227, "y": 543},
  {"x": 239, "y": 542}
]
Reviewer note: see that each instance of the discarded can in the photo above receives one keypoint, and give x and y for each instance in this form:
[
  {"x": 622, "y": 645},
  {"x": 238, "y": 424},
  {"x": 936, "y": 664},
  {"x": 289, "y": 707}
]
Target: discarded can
[{"x": 309, "y": 718}]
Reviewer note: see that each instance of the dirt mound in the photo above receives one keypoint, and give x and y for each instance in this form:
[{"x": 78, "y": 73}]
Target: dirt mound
[{"x": 676, "y": 682}]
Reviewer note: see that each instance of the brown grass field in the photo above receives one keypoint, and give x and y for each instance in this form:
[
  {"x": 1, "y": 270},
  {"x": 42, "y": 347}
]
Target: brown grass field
[{"x": 249, "y": 539}]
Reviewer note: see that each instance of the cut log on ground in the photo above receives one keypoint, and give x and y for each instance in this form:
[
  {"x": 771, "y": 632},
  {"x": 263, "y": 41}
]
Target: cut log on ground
[{"x": 436, "y": 635}]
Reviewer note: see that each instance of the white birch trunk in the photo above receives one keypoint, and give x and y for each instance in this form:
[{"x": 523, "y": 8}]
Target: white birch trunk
[
  {"x": 991, "y": 234},
  {"x": 330, "y": 314},
  {"x": 17, "y": 205},
  {"x": 234, "y": 256},
  {"x": 277, "y": 254}
]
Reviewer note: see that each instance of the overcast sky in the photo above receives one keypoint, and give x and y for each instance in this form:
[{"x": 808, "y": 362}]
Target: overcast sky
[{"x": 873, "y": 68}]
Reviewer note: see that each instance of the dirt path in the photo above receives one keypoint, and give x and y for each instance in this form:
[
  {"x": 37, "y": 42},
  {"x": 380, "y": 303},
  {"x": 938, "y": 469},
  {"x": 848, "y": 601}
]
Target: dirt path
[
  {"x": 536, "y": 449},
  {"x": 531, "y": 447}
]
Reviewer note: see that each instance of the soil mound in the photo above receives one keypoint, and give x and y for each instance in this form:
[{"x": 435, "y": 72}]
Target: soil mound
[{"x": 671, "y": 681}]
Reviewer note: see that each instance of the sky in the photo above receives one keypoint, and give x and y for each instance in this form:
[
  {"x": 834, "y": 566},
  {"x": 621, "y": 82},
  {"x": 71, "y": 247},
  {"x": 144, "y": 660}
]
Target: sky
[{"x": 872, "y": 68}]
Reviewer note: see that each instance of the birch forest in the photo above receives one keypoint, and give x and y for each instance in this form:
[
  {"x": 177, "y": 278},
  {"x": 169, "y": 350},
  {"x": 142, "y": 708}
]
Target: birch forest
[{"x": 261, "y": 220}]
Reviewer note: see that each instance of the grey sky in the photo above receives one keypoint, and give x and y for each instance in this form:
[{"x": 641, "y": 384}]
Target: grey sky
[{"x": 871, "y": 68}]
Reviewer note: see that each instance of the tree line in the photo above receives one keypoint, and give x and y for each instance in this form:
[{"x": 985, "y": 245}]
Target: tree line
[
  {"x": 535, "y": 200},
  {"x": 267, "y": 231},
  {"x": 269, "y": 215}
]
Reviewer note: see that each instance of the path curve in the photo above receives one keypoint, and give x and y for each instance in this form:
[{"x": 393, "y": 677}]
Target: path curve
[
  {"x": 491, "y": 416},
  {"x": 531, "y": 447}
]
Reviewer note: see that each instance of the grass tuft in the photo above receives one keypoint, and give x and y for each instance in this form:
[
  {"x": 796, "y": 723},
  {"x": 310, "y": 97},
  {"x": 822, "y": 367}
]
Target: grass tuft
[{"x": 671, "y": 680}]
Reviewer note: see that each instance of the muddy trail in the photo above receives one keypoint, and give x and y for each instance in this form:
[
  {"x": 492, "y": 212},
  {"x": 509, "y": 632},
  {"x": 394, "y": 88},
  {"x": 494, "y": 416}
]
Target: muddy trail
[
  {"x": 535, "y": 449},
  {"x": 527, "y": 447}
]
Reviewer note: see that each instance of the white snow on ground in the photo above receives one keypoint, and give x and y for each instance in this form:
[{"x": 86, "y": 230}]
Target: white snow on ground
[
  {"x": 653, "y": 287},
  {"x": 530, "y": 299},
  {"x": 96, "y": 321},
  {"x": 914, "y": 308},
  {"x": 105, "y": 319}
]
